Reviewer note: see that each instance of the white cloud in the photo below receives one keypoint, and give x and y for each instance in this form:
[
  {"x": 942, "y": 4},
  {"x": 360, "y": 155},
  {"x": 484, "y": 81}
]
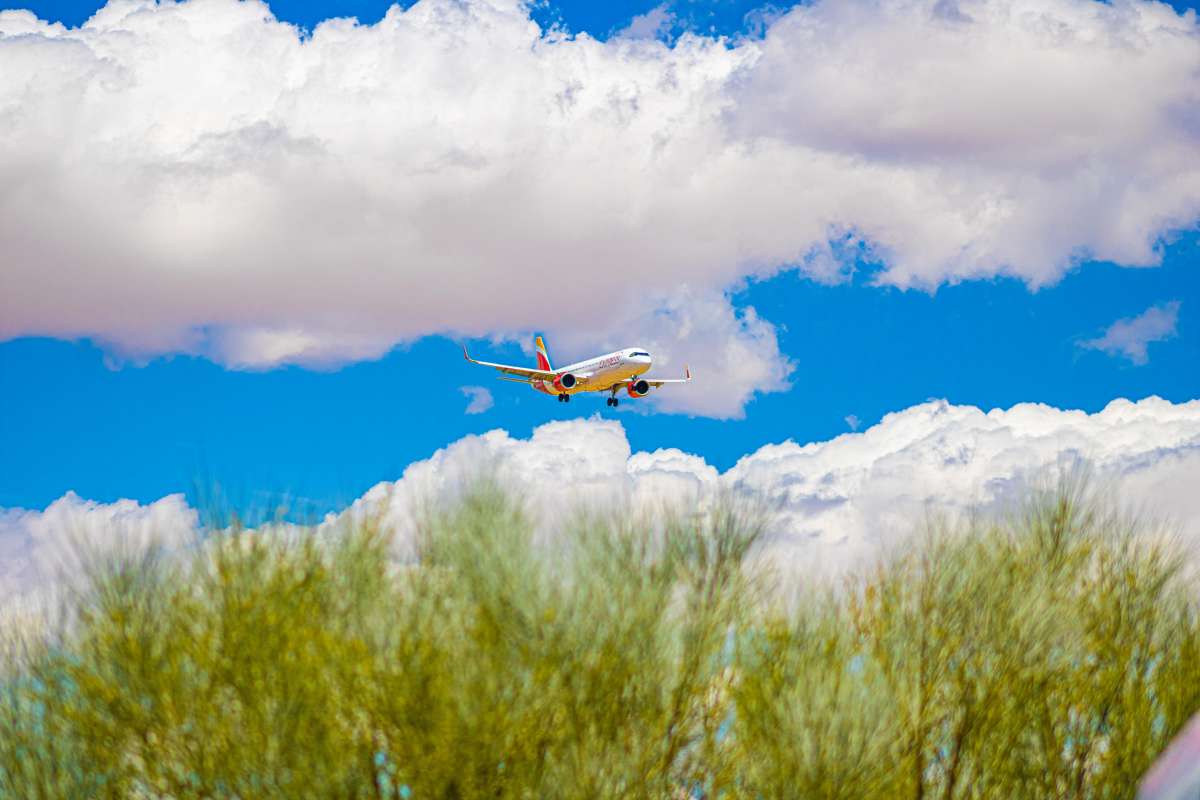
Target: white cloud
[
  {"x": 852, "y": 422},
  {"x": 838, "y": 502},
  {"x": 45, "y": 552},
  {"x": 261, "y": 197},
  {"x": 846, "y": 498},
  {"x": 1129, "y": 337},
  {"x": 481, "y": 399},
  {"x": 653, "y": 24},
  {"x": 985, "y": 137},
  {"x": 842, "y": 500}
]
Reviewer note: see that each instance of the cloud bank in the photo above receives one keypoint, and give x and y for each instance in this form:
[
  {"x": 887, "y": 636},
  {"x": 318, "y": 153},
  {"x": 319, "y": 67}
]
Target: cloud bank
[
  {"x": 44, "y": 553},
  {"x": 236, "y": 188},
  {"x": 839, "y": 502}
]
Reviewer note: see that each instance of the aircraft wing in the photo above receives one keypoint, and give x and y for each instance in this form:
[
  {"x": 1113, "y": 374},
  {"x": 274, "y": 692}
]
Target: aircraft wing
[
  {"x": 657, "y": 382},
  {"x": 526, "y": 373}
]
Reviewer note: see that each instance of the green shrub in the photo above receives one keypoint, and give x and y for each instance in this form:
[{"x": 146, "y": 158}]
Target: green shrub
[{"x": 1051, "y": 655}]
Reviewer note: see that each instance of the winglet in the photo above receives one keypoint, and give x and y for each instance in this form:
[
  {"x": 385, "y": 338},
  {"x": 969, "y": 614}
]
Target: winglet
[
  {"x": 687, "y": 371},
  {"x": 467, "y": 357}
]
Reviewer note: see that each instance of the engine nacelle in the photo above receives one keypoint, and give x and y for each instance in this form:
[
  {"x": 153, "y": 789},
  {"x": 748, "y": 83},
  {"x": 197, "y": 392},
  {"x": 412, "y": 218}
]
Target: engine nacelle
[
  {"x": 565, "y": 381},
  {"x": 638, "y": 389}
]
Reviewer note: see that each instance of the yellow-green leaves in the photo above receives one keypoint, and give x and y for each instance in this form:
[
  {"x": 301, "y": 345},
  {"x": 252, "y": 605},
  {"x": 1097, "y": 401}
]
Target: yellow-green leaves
[{"x": 1049, "y": 655}]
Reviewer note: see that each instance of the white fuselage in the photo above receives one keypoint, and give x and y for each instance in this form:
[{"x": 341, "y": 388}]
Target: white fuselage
[{"x": 598, "y": 374}]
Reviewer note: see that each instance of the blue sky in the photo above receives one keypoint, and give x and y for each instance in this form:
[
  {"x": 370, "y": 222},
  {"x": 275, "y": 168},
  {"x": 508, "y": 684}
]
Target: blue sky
[
  {"x": 320, "y": 438},
  {"x": 74, "y": 418},
  {"x": 597, "y": 19},
  {"x": 722, "y": 17}
]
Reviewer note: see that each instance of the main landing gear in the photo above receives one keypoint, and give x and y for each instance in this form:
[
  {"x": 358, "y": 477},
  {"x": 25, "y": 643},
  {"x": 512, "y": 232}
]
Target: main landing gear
[
  {"x": 612, "y": 401},
  {"x": 564, "y": 398}
]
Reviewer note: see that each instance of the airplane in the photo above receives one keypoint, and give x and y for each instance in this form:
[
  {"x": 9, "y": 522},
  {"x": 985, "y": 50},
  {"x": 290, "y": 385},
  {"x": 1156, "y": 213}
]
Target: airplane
[{"x": 611, "y": 373}]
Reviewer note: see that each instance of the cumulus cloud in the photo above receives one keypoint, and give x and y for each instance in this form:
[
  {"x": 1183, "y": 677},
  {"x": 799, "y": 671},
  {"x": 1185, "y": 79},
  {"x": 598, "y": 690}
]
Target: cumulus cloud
[
  {"x": 841, "y": 501},
  {"x": 261, "y": 196},
  {"x": 481, "y": 399},
  {"x": 43, "y": 553},
  {"x": 844, "y": 499},
  {"x": 1129, "y": 337},
  {"x": 838, "y": 502},
  {"x": 653, "y": 24}
]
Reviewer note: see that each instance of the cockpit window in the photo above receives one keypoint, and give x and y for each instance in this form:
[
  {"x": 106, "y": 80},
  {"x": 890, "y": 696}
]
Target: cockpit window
[{"x": 639, "y": 353}]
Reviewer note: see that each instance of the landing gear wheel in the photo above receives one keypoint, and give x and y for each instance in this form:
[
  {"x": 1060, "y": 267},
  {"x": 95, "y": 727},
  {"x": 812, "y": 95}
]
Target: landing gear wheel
[
  {"x": 615, "y": 401},
  {"x": 564, "y": 398}
]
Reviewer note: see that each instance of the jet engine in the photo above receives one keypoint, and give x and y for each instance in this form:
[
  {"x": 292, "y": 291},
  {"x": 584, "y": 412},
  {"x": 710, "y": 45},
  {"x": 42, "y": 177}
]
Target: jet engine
[
  {"x": 566, "y": 381},
  {"x": 638, "y": 389}
]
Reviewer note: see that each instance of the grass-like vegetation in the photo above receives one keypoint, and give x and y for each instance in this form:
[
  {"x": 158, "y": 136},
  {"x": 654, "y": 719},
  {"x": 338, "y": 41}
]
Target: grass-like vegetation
[{"x": 1048, "y": 655}]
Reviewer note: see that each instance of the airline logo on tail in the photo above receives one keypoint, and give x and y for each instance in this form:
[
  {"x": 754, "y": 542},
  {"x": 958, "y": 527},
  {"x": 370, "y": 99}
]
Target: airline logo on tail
[{"x": 543, "y": 359}]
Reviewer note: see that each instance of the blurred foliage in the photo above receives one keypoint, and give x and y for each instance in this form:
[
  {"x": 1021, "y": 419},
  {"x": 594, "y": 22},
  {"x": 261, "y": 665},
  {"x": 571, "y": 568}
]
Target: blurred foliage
[{"x": 1052, "y": 654}]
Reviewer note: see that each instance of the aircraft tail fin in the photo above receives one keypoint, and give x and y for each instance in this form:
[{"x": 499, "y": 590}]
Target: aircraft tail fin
[{"x": 543, "y": 360}]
